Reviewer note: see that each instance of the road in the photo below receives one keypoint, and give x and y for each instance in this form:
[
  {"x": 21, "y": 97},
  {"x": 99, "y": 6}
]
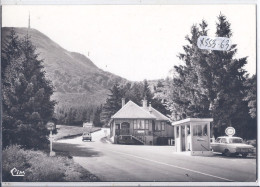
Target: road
[{"x": 139, "y": 163}]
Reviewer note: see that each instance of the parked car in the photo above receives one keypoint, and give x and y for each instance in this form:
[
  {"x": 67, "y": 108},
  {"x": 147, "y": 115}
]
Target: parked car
[
  {"x": 231, "y": 146},
  {"x": 86, "y": 136}
]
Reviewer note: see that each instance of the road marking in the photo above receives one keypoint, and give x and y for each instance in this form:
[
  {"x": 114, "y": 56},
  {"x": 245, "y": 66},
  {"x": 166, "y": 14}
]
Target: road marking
[{"x": 194, "y": 171}]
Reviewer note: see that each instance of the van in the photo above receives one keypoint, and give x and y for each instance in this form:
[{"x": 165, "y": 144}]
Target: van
[{"x": 86, "y": 136}]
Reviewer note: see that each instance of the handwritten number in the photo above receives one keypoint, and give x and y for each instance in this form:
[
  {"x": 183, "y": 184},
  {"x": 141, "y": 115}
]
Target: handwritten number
[
  {"x": 227, "y": 44},
  {"x": 214, "y": 43},
  {"x": 201, "y": 41}
]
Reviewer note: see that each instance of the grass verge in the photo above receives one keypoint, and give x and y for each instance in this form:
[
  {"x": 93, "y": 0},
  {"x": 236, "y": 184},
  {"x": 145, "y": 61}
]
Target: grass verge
[{"x": 65, "y": 131}]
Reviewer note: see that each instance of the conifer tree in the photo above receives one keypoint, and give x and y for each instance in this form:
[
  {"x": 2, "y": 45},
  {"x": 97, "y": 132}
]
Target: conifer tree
[
  {"x": 251, "y": 95},
  {"x": 113, "y": 103},
  {"x": 26, "y": 95},
  {"x": 97, "y": 117},
  {"x": 210, "y": 83}
]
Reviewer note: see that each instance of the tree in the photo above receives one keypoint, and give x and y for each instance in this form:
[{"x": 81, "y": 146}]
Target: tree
[
  {"x": 113, "y": 102},
  {"x": 186, "y": 98},
  {"x": 146, "y": 92},
  {"x": 26, "y": 94},
  {"x": 210, "y": 83},
  {"x": 251, "y": 95},
  {"x": 97, "y": 117},
  {"x": 134, "y": 93}
]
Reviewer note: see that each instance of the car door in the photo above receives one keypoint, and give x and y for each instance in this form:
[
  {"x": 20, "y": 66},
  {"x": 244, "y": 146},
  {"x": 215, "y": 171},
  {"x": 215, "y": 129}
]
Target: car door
[
  {"x": 215, "y": 145},
  {"x": 223, "y": 145}
]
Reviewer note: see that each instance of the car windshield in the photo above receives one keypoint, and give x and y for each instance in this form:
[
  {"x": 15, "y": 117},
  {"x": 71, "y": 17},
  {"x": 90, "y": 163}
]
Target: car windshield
[{"x": 235, "y": 140}]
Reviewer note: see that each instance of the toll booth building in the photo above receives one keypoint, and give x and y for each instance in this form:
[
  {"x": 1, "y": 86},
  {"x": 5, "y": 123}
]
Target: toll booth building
[
  {"x": 192, "y": 136},
  {"x": 134, "y": 124}
]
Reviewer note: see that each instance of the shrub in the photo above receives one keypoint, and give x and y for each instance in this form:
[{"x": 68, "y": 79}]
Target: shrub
[
  {"x": 13, "y": 157},
  {"x": 39, "y": 167}
]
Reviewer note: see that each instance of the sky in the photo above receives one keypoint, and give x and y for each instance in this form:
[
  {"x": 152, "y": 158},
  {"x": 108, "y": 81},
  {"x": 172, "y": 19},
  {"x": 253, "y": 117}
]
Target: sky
[{"x": 136, "y": 42}]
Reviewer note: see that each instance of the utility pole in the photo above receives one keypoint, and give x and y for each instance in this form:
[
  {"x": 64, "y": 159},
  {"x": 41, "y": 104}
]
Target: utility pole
[{"x": 29, "y": 22}]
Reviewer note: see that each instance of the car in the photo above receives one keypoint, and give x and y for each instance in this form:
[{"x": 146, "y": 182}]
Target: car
[
  {"x": 86, "y": 136},
  {"x": 229, "y": 145}
]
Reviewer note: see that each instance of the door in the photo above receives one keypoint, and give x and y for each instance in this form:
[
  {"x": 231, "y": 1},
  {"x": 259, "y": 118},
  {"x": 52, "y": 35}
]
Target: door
[
  {"x": 153, "y": 125},
  {"x": 117, "y": 130},
  {"x": 125, "y": 128},
  {"x": 216, "y": 145}
]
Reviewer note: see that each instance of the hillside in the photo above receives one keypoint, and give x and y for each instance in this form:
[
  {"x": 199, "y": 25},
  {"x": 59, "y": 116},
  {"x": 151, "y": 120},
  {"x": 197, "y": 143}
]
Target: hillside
[{"x": 76, "y": 79}]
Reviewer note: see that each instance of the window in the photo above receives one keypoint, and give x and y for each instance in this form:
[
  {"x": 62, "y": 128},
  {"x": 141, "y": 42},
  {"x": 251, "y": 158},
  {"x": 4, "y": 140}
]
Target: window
[
  {"x": 138, "y": 124},
  {"x": 223, "y": 140},
  {"x": 142, "y": 124},
  {"x": 188, "y": 129},
  {"x": 135, "y": 124},
  {"x": 217, "y": 140},
  {"x": 158, "y": 126},
  {"x": 146, "y": 124},
  {"x": 235, "y": 140},
  {"x": 197, "y": 130},
  {"x": 205, "y": 130},
  {"x": 163, "y": 125}
]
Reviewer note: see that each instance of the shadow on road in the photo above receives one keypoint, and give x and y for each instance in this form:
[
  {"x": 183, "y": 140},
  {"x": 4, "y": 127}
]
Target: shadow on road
[
  {"x": 219, "y": 155},
  {"x": 75, "y": 150}
]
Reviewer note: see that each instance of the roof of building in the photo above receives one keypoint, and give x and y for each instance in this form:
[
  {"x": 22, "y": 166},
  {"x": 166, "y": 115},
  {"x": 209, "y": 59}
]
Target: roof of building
[
  {"x": 156, "y": 113},
  {"x": 192, "y": 120},
  {"x": 132, "y": 111}
]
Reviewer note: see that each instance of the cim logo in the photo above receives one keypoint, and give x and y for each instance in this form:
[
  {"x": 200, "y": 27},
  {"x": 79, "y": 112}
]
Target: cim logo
[{"x": 17, "y": 173}]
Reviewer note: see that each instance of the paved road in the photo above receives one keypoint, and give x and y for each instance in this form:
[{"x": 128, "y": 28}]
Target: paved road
[{"x": 138, "y": 163}]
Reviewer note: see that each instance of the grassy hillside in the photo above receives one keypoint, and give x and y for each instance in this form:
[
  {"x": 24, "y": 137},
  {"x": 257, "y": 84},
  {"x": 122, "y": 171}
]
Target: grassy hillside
[{"x": 76, "y": 79}]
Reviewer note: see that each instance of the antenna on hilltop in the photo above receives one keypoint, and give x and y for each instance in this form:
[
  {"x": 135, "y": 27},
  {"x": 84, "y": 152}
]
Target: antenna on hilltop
[{"x": 29, "y": 22}]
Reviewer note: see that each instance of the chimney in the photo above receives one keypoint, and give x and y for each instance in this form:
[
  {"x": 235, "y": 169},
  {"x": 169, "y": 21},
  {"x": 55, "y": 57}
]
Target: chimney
[
  {"x": 150, "y": 107},
  {"x": 123, "y": 102},
  {"x": 145, "y": 103}
]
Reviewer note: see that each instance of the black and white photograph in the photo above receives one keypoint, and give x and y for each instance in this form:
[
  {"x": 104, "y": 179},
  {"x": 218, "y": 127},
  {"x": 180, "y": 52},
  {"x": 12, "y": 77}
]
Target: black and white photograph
[{"x": 129, "y": 94}]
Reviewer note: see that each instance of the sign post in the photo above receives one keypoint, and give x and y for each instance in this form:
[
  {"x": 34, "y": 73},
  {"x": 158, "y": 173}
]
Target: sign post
[
  {"x": 230, "y": 131},
  {"x": 50, "y": 127}
]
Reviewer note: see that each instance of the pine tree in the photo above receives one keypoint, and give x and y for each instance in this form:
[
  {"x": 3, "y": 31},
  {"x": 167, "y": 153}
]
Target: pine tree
[
  {"x": 186, "y": 97},
  {"x": 251, "y": 95},
  {"x": 211, "y": 83},
  {"x": 146, "y": 92},
  {"x": 113, "y": 103},
  {"x": 97, "y": 117},
  {"x": 26, "y": 95}
]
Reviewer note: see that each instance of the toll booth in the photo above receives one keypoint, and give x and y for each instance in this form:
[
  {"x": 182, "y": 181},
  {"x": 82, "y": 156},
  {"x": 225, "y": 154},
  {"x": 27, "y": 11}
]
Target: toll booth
[{"x": 192, "y": 135}]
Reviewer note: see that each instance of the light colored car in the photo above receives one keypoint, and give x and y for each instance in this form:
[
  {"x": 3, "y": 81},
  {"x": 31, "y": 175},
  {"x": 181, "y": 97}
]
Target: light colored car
[
  {"x": 86, "y": 136},
  {"x": 231, "y": 146}
]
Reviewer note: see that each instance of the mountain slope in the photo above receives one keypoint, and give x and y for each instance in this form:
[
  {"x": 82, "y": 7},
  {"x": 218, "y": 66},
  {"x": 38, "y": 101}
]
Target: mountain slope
[{"x": 77, "y": 80}]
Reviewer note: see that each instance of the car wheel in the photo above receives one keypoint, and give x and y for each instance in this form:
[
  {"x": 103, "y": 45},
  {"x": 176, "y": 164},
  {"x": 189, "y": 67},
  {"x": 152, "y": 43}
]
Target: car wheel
[
  {"x": 244, "y": 155},
  {"x": 227, "y": 152}
]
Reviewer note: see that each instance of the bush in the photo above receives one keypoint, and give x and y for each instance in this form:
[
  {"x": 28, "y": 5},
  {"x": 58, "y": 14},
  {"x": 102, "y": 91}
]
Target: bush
[
  {"x": 13, "y": 157},
  {"x": 39, "y": 167}
]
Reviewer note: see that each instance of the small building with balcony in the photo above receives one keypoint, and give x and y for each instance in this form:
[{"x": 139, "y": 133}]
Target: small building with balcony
[{"x": 134, "y": 124}]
